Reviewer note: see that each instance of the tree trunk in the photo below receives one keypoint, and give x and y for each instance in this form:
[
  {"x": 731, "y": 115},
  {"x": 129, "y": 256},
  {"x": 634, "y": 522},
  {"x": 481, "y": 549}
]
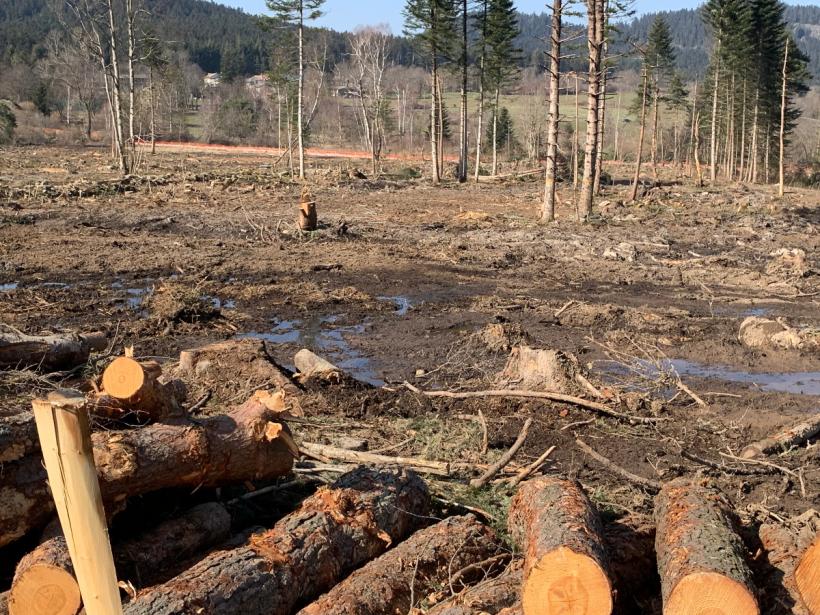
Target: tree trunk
[
  {"x": 784, "y": 440},
  {"x": 714, "y": 143},
  {"x": 409, "y": 572},
  {"x": 690, "y": 158},
  {"x": 48, "y": 352},
  {"x": 480, "y": 129},
  {"x": 565, "y": 566},
  {"x": 636, "y": 181},
  {"x": 495, "y": 131},
  {"x": 440, "y": 96},
  {"x": 18, "y": 436},
  {"x": 434, "y": 144},
  {"x": 753, "y": 153},
  {"x": 595, "y": 9},
  {"x": 655, "y": 106},
  {"x": 304, "y": 554},
  {"x": 130, "y": 16},
  {"x": 153, "y": 111},
  {"x": 783, "y": 104},
  {"x": 299, "y": 128},
  {"x": 548, "y": 208},
  {"x": 701, "y": 560},
  {"x": 462, "y": 163},
  {"x": 248, "y": 443},
  {"x": 142, "y": 559},
  {"x": 489, "y": 596},
  {"x": 138, "y": 388},
  {"x": 122, "y": 155},
  {"x": 575, "y": 139},
  {"x": 792, "y": 553},
  {"x": 599, "y": 148}
]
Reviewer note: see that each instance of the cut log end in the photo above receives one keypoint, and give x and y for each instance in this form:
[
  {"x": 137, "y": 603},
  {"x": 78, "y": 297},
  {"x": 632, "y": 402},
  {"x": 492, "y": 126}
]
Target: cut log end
[
  {"x": 709, "y": 593},
  {"x": 123, "y": 378},
  {"x": 45, "y": 590},
  {"x": 807, "y": 577},
  {"x": 563, "y": 581}
]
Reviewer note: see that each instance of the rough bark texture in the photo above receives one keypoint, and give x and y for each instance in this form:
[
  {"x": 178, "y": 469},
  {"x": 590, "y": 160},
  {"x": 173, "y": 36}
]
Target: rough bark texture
[
  {"x": 701, "y": 559},
  {"x": 304, "y": 554},
  {"x": 551, "y": 516},
  {"x": 48, "y": 352},
  {"x": 394, "y": 582},
  {"x": 487, "y": 597},
  {"x": 249, "y": 443},
  {"x": 785, "y": 546},
  {"x": 4, "y": 603},
  {"x": 18, "y": 436}
]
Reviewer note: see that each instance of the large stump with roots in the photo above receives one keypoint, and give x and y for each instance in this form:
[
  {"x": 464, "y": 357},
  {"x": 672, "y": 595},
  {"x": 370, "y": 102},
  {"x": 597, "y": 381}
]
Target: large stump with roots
[
  {"x": 701, "y": 558},
  {"x": 565, "y": 566}
]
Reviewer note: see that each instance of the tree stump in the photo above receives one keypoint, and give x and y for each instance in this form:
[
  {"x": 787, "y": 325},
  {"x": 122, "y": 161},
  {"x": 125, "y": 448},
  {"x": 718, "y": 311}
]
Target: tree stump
[
  {"x": 565, "y": 564},
  {"x": 137, "y": 386},
  {"x": 308, "y": 218},
  {"x": 701, "y": 559}
]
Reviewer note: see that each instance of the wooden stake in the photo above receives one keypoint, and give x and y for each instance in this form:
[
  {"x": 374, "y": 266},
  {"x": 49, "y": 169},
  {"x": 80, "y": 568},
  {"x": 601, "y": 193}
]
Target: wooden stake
[{"x": 65, "y": 438}]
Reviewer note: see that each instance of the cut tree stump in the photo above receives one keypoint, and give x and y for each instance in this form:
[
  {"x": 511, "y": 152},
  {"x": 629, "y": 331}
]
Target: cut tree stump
[
  {"x": 785, "y": 439},
  {"x": 421, "y": 564},
  {"x": 306, "y": 553},
  {"x": 565, "y": 564},
  {"x": 312, "y": 366},
  {"x": 489, "y": 596},
  {"x": 131, "y": 386},
  {"x": 47, "y": 352},
  {"x": 793, "y": 553},
  {"x": 248, "y": 443},
  {"x": 146, "y": 556},
  {"x": 18, "y": 436},
  {"x": 701, "y": 559},
  {"x": 537, "y": 369}
]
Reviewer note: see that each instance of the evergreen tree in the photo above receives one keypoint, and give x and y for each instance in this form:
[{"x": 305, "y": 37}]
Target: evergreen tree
[
  {"x": 677, "y": 98},
  {"x": 502, "y": 57},
  {"x": 7, "y": 123},
  {"x": 431, "y": 23},
  {"x": 660, "y": 62}
]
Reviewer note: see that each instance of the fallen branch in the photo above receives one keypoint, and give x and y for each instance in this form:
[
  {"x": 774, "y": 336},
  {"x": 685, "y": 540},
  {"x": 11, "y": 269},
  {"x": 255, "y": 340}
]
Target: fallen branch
[
  {"x": 505, "y": 459},
  {"x": 560, "y": 397},
  {"x": 439, "y": 468},
  {"x": 783, "y": 440},
  {"x": 523, "y": 474},
  {"x": 645, "y": 483}
]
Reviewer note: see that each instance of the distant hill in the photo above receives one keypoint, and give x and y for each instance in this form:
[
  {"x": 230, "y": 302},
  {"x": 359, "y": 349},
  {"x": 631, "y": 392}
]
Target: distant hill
[{"x": 217, "y": 37}]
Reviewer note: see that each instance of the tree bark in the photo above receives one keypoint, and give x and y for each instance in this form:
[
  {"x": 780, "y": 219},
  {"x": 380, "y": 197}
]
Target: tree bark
[
  {"x": 794, "y": 565},
  {"x": 655, "y": 113},
  {"x": 637, "y": 180},
  {"x": 301, "y": 92},
  {"x": 48, "y": 352},
  {"x": 701, "y": 560},
  {"x": 483, "y": 59},
  {"x": 495, "y": 132},
  {"x": 794, "y": 435},
  {"x": 783, "y": 104},
  {"x": 248, "y": 443},
  {"x": 434, "y": 144},
  {"x": 122, "y": 155},
  {"x": 303, "y": 555},
  {"x": 142, "y": 559},
  {"x": 18, "y": 436},
  {"x": 489, "y": 596},
  {"x": 425, "y": 562},
  {"x": 714, "y": 144},
  {"x": 548, "y": 209},
  {"x": 565, "y": 563},
  {"x": 599, "y": 148},
  {"x": 463, "y": 155},
  {"x": 595, "y": 10}
]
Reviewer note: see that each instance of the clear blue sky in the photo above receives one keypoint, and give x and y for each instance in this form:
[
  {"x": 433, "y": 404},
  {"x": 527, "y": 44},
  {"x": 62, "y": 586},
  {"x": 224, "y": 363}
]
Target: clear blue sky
[{"x": 347, "y": 14}]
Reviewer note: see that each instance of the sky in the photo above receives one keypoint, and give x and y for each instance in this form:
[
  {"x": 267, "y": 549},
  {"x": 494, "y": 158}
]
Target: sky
[{"x": 345, "y": 15}]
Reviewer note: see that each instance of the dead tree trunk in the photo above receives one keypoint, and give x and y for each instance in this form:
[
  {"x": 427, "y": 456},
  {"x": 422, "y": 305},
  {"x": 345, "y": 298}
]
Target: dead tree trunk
[
  {"x": 637, "y": 180},
  {"x": 303, "y": 555},
  {"x": 565, "y": 565},
  {"x": 701, "y": 560},
  {"x": 595, "y": 35},
  {"x": 423, "y": 563},
  {"x": 248, "y": 443},
  {"x": 489, "y": 596},
  {"x": 142, "y": 559},
  {"x": 48, "y": 352},
  {"x": 548, "y": 209}
]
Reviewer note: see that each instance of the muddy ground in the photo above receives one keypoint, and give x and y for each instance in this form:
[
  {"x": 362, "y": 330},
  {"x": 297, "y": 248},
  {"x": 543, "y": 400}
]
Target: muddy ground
[{"x": 400, "y": 284}]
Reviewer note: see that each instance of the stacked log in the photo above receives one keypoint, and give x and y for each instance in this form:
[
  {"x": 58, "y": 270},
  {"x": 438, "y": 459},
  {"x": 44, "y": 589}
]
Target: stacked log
[
  {"x": 304, "y": 554},
  {"x": 565, "y": 563},
  {"x": 47, "y": 352},
  {"x": 137, "y": 387},
  {"x": 147, "y": 556},
  {"x": 425, "y": 562},
  {"x": 701, "y": 559},
  {"x": 489, "y": 596},
  {"x": 18, "y": 437},
  {"x": 248, "y": 443}
]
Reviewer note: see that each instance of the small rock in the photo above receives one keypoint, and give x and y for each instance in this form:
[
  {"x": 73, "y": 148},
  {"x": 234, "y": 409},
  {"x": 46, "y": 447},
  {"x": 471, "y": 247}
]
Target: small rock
[{"x": 353, "y": 444}]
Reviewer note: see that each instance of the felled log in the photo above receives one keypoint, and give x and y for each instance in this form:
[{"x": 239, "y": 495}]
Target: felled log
[
  {"x": 248, "y": 443},
  {"x": 701, "y": 559},
  {"x": 793, "y": 553},
  {"x": 18, "y": 436},
  {"x": 148, "y": 555},
  {"x": 489, "y": 596},
  {"x": 47, "y": 352},
  {"x": 304, "y": 554},
  {"x": 4, "y": 603},
  {"x": 242, "y": 360},
  {"x": 425, "y": 466},
  {"x": 310, "y": 365},
  {"x": 785, "y": 439},
  {"x": 423, "y": 563},
  {"x": 565, "y": 562},
  {"x": 138, "y": 387}
]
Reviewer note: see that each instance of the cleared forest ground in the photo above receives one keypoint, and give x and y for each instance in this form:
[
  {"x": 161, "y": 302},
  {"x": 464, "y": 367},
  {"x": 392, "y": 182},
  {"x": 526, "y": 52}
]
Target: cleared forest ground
[{"x": 433, "y": 286}]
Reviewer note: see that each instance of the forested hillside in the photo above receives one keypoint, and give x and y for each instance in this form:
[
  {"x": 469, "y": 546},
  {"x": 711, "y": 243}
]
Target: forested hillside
[{"x": 219, "y": 38}]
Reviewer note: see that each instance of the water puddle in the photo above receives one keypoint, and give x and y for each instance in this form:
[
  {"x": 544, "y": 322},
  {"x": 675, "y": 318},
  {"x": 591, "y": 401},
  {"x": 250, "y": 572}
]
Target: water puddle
[
  {"x": 741, "y": 311},
  {"x": 134, "y": 297},
  {"x": 403, "y": 304},
  {"x": 9, "y": 286},
  {"x": 328, "y": 340},
  {"x": 799, "y": 383}
]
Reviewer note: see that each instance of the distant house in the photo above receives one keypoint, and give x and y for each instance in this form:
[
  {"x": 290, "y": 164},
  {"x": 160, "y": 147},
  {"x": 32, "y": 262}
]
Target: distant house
[
  {"x": 345, "y": 92},
  {"x": 212, "y": 80},
  {"x": 258, "y": 84}
]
